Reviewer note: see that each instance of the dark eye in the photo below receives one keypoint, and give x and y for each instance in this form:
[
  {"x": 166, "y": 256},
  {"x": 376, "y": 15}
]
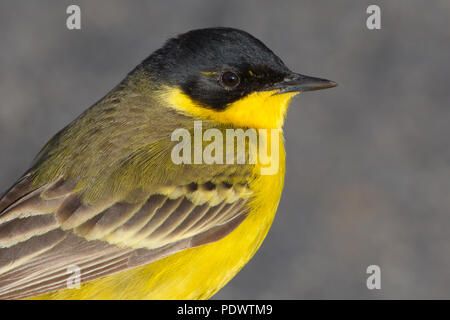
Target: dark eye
[{"x": 230, "y": 79}]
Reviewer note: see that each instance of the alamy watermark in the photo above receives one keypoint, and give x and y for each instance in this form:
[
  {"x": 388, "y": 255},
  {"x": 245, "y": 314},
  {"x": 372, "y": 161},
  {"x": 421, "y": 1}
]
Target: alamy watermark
[
  {"x": 373, "y": 21},
  {"x": 73, "y": 21},
  {"x": 228, "y": 146},
  {"x": 374, "y": 280},
  {"x": 74, "y": 279}
]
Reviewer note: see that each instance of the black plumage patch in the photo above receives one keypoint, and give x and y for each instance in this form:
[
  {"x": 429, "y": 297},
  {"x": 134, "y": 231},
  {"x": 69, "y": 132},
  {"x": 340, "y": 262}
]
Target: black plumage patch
[{"x": 196, "y": 60}]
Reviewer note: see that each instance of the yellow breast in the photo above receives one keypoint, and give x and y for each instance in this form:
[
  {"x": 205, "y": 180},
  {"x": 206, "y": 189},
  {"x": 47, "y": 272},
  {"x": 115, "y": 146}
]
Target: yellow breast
[{"x": 195, "y": 273}]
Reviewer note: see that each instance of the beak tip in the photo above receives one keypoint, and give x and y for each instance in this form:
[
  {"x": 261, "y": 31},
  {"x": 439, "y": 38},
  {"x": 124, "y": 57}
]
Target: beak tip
[
  {"x": 301, "y": 83},
  {"x": 332, "y": 84}
]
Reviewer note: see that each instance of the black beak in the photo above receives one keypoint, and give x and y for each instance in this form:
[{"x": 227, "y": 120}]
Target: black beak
[{"x": 299, "y": 83}]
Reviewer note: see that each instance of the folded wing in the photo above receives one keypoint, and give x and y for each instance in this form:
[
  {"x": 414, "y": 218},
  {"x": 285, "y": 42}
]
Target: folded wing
[{"x": 44, "y": 232}]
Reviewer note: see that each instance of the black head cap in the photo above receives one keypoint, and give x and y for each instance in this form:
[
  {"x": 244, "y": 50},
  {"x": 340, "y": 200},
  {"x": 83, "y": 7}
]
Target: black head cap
[{"x": 216, "y": 66}]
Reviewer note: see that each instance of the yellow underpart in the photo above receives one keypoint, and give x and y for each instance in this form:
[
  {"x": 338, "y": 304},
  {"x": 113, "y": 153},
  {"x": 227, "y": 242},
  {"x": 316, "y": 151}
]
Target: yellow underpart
[
  {"x": 195, "y": 273},
  {"x": 261, "y": 109}
]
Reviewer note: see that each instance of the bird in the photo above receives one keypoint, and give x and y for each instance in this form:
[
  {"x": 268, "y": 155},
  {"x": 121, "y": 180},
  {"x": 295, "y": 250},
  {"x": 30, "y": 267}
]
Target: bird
[{"x": 105, "y": 197}]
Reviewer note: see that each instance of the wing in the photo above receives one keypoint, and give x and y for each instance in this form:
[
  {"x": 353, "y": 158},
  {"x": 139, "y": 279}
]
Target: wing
[{"x": 45, "y": 231}]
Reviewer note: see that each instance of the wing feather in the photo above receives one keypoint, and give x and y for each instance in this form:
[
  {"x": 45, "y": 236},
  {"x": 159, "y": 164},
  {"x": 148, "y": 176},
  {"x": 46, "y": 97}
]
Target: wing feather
[
  {"x": 22, "y": 229},
  {"x": 45, "y": 231}
]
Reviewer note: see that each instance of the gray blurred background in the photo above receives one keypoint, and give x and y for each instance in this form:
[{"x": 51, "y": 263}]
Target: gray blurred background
[{"x": 368, "y": 175}]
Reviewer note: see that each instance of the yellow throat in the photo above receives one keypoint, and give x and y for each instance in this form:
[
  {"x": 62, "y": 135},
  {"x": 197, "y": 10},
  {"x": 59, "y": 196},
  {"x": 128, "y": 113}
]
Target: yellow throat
[{"x": 263, "y": 109}]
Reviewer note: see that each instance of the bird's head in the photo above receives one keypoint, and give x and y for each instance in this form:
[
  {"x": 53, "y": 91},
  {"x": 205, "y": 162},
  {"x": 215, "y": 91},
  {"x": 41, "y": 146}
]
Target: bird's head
[{"x": 227, "y": 75}]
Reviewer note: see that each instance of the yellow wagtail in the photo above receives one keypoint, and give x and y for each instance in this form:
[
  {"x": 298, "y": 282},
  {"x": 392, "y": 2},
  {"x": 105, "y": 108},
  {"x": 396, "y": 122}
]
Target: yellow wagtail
[{"x": 105, "y": 199}]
